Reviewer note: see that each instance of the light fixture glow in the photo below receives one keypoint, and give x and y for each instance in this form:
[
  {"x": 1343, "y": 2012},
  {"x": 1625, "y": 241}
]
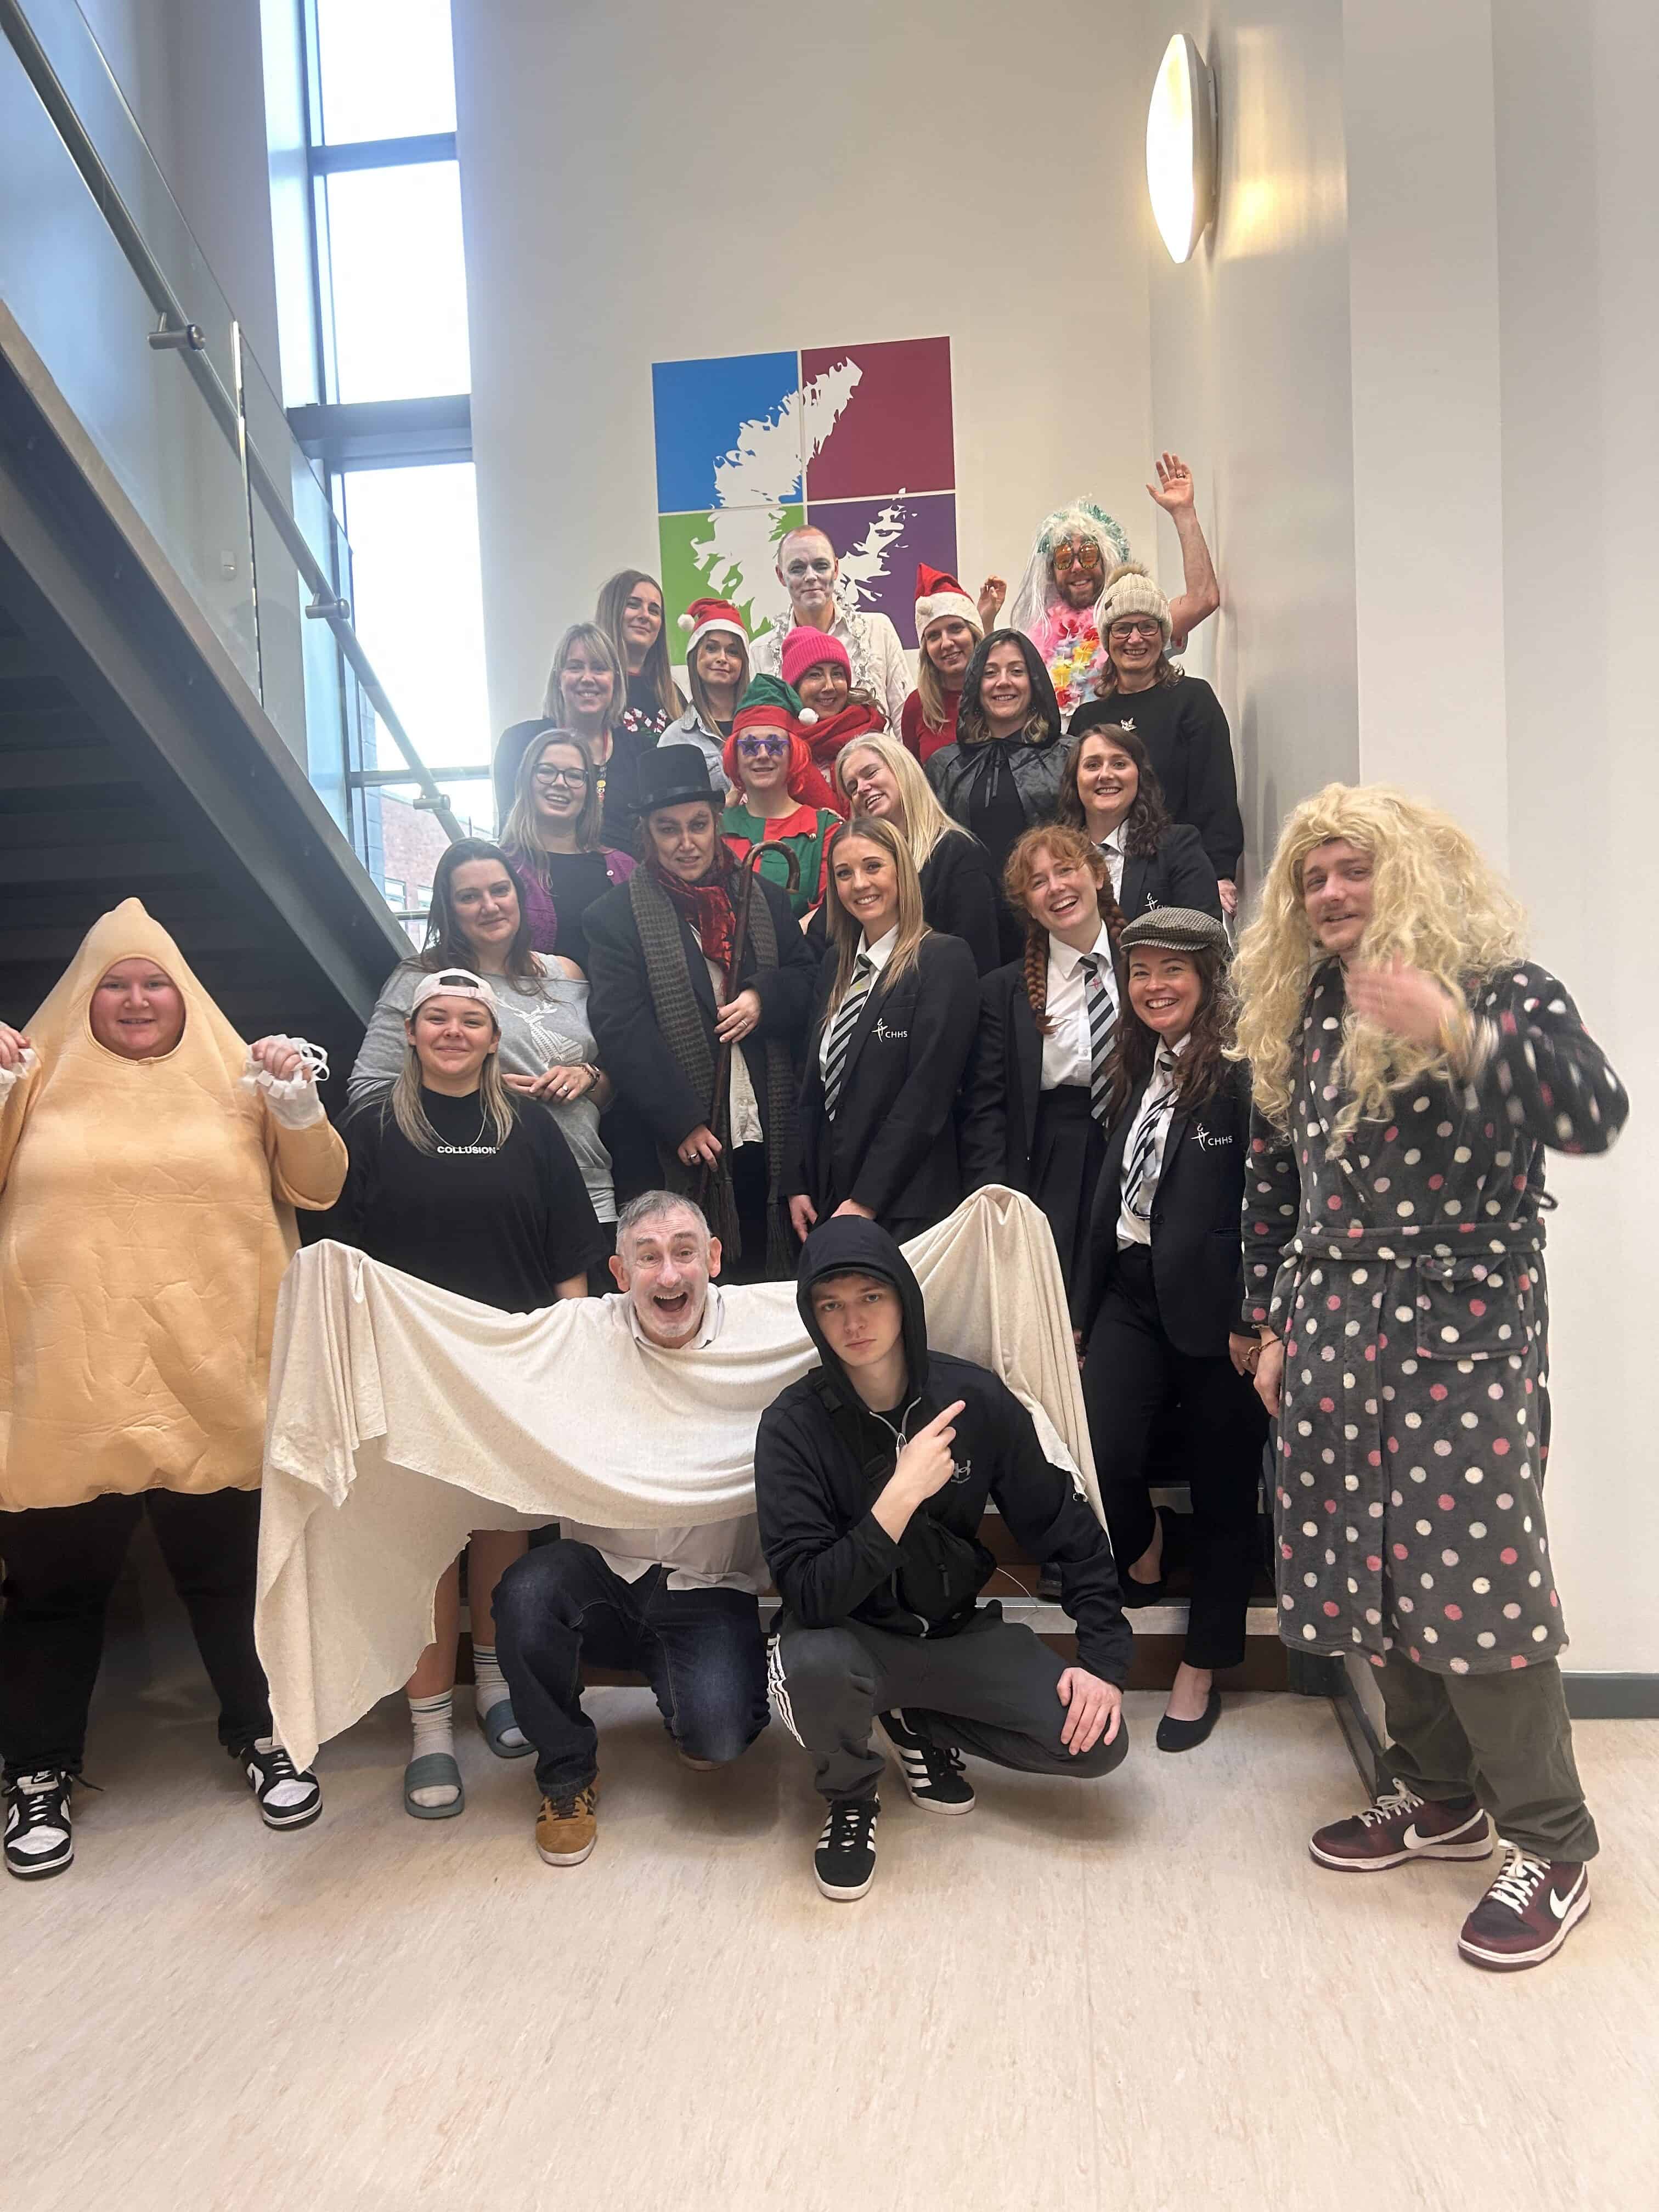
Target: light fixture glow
[{"x": 1181, "y": 147}]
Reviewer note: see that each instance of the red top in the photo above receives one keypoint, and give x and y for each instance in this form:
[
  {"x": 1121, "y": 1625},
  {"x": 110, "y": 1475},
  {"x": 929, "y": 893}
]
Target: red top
[{"x": 921, "y": 737}]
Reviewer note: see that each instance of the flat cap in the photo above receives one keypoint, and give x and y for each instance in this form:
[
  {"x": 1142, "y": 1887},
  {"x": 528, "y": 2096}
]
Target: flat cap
[{"x": 1174, "y": 929}]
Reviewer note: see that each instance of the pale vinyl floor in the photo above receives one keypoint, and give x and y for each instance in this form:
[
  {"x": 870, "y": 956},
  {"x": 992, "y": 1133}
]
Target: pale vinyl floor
[{"x": 1138, "y": 1994}]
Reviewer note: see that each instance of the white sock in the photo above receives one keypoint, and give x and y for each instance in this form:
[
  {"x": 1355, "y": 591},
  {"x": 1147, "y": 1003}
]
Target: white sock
[
  {"x": 490, "y": 1690},
  {"x": 433, "y": 1720}
]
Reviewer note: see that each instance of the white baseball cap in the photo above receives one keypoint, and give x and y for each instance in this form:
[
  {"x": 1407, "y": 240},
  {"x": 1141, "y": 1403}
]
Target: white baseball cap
[{"x": 455, "y": 983}]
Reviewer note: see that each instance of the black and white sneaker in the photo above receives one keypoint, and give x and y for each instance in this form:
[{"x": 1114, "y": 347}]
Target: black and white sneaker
[
  {"x": 40, "y": 1837},
  {"x": 844, "y": 1863},
  {"x": 933, "y": 1775},
  {"x": 286, "y": 1797}
]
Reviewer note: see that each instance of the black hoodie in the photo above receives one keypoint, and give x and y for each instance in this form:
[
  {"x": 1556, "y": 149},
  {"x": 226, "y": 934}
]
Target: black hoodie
[{"x": 822, "y": 1459}]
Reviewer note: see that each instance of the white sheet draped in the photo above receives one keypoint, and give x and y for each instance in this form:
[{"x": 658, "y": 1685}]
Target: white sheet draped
[{"x": 402, "y": 1418}]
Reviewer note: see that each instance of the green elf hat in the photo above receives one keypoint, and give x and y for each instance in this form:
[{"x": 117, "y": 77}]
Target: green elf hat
[{"x": 768, "y": 701}]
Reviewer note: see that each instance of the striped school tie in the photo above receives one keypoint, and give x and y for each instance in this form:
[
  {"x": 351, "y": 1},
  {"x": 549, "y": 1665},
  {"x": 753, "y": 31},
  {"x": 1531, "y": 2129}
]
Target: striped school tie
[
  {"x": 1103, "y": 1024},
  {"x": 1139, "y": 1190},
  {"x": 840, "y": 1029}
]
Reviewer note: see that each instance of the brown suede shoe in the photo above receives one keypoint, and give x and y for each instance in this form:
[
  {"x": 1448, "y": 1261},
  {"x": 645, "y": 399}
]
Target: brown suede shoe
[
  {"x": 1527, "y": 1914},
  {"x": 566, "y": 1828},
  {"x": 1402, "y": 1826}
]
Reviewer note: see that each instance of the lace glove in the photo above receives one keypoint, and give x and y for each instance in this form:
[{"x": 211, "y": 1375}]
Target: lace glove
[{"x": 292, "y": 1101}]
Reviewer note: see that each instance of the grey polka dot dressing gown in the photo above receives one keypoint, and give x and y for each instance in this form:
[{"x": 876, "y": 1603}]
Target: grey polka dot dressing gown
[{"x": 1406, "y": 1275}]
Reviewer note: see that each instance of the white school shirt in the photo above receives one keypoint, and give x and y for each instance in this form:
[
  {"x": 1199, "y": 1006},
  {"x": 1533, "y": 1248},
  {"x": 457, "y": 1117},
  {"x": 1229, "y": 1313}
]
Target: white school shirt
[
  {"x": 878, "y": 955},
  {"x": 1065, "y": 1047},
  {"x": 1131, "y": 1229},
  {"x": 721, "y": 1554},
  {"x": 1111, "y": 851}
]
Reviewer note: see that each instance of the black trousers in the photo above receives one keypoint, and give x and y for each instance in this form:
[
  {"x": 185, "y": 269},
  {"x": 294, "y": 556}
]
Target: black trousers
[
  {"x": 1131, "y": 1374},
  {"x": 993, "y": 1690},
  {"x": 1066, "y": 1154},
  {"x": 754, "y": 1215},
  {"x": 62, "y": 1562}
]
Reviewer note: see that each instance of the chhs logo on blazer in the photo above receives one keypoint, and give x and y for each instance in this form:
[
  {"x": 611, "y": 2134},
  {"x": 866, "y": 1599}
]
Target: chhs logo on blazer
[
  {"x": 887, "y": 1035},
  {"x": 1210, "y": 1139}
]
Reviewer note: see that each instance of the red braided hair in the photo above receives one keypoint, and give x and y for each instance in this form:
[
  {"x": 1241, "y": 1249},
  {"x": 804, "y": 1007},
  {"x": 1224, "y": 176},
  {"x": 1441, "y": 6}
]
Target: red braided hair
[{"x": 1062, "y": 842}]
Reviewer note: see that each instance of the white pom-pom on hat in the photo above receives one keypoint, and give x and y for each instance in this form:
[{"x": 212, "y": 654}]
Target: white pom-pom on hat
[
  {"x": 807, "y": 716},
  {"x": 686, "y": 623}
]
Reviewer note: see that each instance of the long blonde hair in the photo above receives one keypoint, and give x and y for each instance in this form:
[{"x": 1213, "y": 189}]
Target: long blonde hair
[
  {"x": 501, "y": 1110},
  {"x": 926, "y": 821},
  {"x": 846, "y": 934},
  {"x": 1437, "y": 904}
]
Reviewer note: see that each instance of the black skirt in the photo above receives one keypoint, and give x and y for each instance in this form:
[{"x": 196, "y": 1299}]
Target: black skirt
[{"x": 1066, "y": 1157}]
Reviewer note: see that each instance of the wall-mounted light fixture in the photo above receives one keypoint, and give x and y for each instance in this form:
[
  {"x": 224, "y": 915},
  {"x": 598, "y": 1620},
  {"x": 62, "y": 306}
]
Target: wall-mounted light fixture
[{"x": 1181, "y": 147}]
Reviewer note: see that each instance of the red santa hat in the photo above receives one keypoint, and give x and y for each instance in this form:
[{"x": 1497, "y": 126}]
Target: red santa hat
[
  {"x": 938, "y": 594},
  {"x": 703, "y": 616}
]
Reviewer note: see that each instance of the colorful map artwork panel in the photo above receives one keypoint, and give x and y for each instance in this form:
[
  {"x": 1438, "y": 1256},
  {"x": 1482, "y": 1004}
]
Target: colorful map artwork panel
[{"x": 857, "y": 439}]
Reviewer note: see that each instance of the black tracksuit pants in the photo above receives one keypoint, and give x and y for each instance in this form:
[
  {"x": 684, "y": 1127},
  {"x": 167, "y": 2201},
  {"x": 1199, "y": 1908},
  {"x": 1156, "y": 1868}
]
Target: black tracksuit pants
[
  {"x": 1131, "y": 1373},
  {"x": 992, "y": 1690},
  {"x": 62, "y": 1562}
]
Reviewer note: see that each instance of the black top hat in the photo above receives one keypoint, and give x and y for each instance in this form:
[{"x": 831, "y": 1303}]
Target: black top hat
[{"x": 673, "y": 775}]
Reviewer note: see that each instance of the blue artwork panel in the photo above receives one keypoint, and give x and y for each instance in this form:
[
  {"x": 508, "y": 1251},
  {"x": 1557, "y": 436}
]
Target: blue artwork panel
[{"x": 719, "y": 423}]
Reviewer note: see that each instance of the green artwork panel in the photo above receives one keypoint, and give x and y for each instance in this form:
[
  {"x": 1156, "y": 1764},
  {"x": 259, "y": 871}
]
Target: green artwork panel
[{"x": 724, "y": 554}]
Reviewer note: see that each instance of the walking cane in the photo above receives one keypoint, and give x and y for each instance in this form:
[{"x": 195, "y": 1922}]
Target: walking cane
[{"x": 720, "y": 1105}]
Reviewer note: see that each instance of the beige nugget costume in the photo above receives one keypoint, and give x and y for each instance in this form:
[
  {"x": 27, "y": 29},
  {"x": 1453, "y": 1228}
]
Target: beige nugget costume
[{"x": 150, "y": 1162}]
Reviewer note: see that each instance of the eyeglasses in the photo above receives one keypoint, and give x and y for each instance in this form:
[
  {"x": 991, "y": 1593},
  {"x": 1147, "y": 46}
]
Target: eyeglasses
[
  {"x": 572, "y": 778},
  {"x": 1068, "y": 555},
  {"x": 1121, "y": 632},
  {"x": 798, "y": 570},
  {"x": 764, "y": 748}
]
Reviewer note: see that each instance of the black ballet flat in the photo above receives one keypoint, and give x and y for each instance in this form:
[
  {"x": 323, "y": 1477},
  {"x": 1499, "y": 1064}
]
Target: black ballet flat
[
  {"x": 1186, "y": 1736},
  {"x": 1132, "y": 1593}
]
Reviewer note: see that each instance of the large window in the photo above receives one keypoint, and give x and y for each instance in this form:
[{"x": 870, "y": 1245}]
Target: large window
[{"x": 391, "y": 420}]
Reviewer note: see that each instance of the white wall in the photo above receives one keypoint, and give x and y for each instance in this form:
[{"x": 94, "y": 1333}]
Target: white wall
[
  {"x": 1413, "y": 367},
  {"x": 1251, "y": 382},
  {"x": 1578, "y": 294},
  {"x": 644, "y": 182}
]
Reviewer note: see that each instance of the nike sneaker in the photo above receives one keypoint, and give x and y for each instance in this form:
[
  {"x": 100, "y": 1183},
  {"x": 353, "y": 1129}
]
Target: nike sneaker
[
  {"x": 1401, "y": 1826},
  {"x": 1527, "y": 1914}
]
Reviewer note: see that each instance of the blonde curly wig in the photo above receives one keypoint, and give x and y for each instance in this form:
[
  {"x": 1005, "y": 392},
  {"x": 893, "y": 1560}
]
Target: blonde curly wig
[{"x": 1437, "y": 904}]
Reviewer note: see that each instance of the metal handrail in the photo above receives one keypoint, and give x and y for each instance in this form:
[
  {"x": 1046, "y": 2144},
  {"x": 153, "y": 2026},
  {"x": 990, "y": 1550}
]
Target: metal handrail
[{"x": 177, "y": 329}]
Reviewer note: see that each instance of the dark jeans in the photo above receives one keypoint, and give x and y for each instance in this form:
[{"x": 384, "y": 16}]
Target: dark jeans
[
  {"x": 1504, "y": 1738},
  {"x": 1131, "y": 1374},
  {"x": 701, "y": 1651},
  {"x": 62, "y": 1562},
  {"x": 993, "y": 1691}
]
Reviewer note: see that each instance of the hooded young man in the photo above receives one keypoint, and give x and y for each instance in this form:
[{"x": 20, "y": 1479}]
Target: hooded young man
[{"x": 872, "y": 1476}]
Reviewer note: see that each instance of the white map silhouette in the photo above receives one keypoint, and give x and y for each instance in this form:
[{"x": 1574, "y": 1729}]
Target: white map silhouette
[{"x": 764, "y": 473}]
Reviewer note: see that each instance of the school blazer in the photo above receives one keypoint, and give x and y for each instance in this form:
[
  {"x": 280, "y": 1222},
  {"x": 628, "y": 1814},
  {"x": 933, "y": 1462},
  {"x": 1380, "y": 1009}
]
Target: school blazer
[
  {"x": 1197, "y": 1261},
  {"x": 892, "y": 1146},
  {"x": 1178, "y": 874},
  {"x": 1003, "y": 1088}
]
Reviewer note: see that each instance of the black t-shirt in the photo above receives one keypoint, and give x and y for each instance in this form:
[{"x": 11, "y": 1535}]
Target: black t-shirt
[
  {"x": 574, "y": 880},
  {"x": 501, "y": 1224}
]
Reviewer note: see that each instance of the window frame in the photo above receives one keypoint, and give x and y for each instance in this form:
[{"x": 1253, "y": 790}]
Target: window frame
[{"x": 364, "y": 432}]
